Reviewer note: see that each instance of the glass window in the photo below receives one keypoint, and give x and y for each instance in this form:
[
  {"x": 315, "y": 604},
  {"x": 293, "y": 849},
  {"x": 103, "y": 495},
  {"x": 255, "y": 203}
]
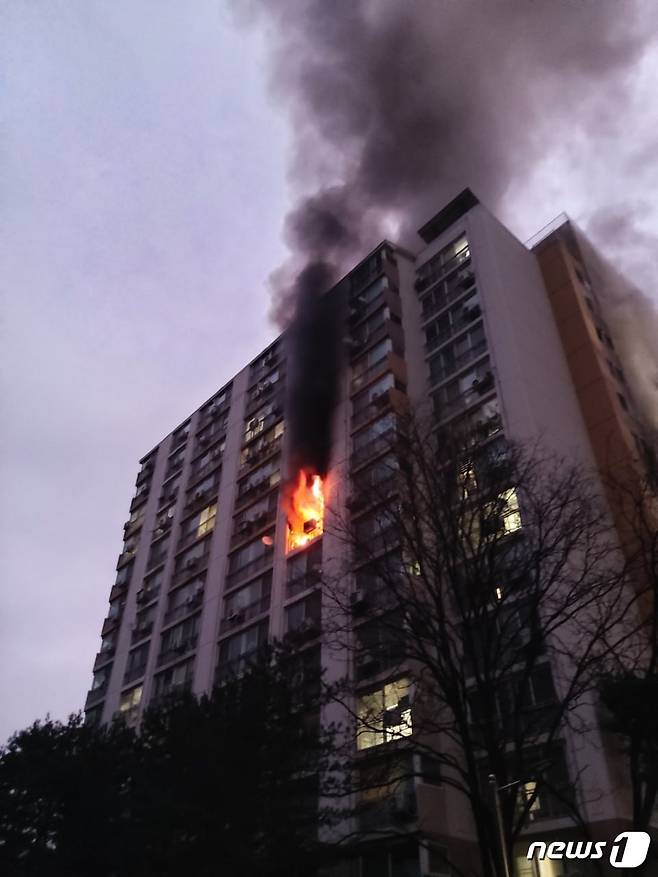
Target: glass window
[
  {"x": 130, "y": 699},
  {"x": 384, "y": 715}
]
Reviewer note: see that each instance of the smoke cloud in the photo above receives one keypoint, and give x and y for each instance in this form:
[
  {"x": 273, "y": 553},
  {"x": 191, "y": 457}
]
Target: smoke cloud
[{"x": 397, "y": 106}]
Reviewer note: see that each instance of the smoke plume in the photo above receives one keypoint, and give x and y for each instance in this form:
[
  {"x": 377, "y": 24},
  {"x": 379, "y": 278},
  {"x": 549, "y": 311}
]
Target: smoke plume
[{"x": 396, "y": 106}]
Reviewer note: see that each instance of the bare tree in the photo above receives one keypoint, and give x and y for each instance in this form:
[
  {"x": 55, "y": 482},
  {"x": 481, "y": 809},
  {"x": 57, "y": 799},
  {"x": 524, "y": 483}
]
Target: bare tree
[
  {"x": 629, "y": 689},
  {"x": 486, "y": 588}
]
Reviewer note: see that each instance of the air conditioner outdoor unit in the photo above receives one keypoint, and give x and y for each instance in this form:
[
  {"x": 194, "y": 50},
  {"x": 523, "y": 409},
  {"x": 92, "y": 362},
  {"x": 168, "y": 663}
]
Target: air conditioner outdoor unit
[
  {"x": 235, "y": 617},
  {"x": 379, "y": 400},
  {"x": 191, "y": 563}
]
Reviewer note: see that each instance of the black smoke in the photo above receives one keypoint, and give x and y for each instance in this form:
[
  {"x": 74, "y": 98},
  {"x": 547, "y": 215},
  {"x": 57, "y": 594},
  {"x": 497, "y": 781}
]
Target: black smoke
[
  {"x": 396, "y": 106},
  {"x": 315, "y": 359}
]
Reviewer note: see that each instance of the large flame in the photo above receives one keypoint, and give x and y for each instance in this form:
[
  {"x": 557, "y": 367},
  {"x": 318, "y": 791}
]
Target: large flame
[{"x": 304, "y": 509}]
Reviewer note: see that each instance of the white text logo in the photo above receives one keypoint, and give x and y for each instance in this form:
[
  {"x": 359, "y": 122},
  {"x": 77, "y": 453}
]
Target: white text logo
[{"x": 628, "y": 850}]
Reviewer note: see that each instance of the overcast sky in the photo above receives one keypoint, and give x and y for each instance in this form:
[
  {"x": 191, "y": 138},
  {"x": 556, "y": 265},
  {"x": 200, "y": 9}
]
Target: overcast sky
[{"x": 144, "y": 186}]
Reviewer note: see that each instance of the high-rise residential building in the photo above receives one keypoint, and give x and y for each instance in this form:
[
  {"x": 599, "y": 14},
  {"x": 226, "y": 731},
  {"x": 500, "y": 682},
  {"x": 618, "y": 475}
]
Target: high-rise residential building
[{"x": 473, "y": 325}]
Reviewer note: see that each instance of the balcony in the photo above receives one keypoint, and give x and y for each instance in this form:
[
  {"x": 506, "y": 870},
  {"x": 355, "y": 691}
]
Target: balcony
[
  {"x": 145, "y": 473},
  {"x": 445, "y": 410},
  {"x": 249, "y": 570},
  {"x": 170, "y": 691},
  {"x": 139, "y": 498},
  {"x": 238, "y": 617},
  {"x": 468, "y": 317},
  {"x": 438, "y": 374},
  {"x": 391, "y": 398},
  {"x": 193, "y": 566},
  {"x": 304, "y": 582},
  {"x": 260, "y": 454},
  {"x": 147, "y": 595},
  {"x": 126, "y": 557},
  {"x": 252, "y": 433},
  {"x": 190, "y": 605},
  {"x": 194, "y": 535},
  {"x": 392, "y": 361},
  {"x": 227, "y": 669},
  {"x": 310, "y": 629},
  {"x": 96, "y": 695},
  {"x": 118, "y": 590},
  {"x": 213, "y": 413},
  {"x": 111, "y": 623},
  {"x": 263, "y": 392},
  {"x": 141, "y": 631},
  {"x": 199, "y": 499},
  {"x": 246, "y": 527},
  {"x": 133, "y": 673},
  {"x": 269, "y": 363},
  {"x": 379, "y": 445},
  {"x": 211, "y": 466},
  {"x": 177, "y": 651},
  {"x": 104, "y": 657},
  {"x": 256, "y": 489},
  {"x": 131, "y": 527},
  {"x": 391, "y": 812}
]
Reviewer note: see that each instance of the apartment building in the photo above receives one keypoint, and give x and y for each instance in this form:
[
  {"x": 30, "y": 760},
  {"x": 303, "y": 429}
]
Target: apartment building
[{"x": 208, "y": 571}]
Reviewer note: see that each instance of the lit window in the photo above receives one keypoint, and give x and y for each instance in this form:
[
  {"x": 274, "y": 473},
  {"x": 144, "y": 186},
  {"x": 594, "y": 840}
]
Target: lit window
[
  {"x": 130, "y": 699},
  {"x": 511, "y": 513},
  {"x": 384, "y": 715},
  {"x": 207, "y": 519}
]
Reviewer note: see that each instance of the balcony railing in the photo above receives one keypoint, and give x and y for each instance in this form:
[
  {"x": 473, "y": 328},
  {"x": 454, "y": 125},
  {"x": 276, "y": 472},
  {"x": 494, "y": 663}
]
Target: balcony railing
[
  {"x": 237, "y": 617},
  {"x": 135, "y": 672},
  {"x": 182, "y": 611},
  {"x": 104, "y": 657},
  {"x": 255, "y": 490},
  {"x": 249, "y": 569},
  {"x": 95, "y": 695},
  {"x": 378, "y": 445},
  {"x": 470, "y": 315},
  {"x": 111, "y": 623},
  {"x": 398, "y": 809},
  {"x": 172, "y": 690},
  {"x": 192, "y": 567},
  {"x": 191, "y": 537},
  {"x": 213, "y": 413},
  {"x": 303, "y": 582},
  {"x": 440, "y": 374},
  {"x": 177, "y": 651},
  {"x": 141, "y": 631},
  {"x": 226, "y": 669},
  {"x": 246, "y": 528}
]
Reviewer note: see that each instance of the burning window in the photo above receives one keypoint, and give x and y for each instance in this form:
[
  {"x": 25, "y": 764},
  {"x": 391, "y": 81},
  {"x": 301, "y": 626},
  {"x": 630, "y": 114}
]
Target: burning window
[{"x": 304, "y": 509}]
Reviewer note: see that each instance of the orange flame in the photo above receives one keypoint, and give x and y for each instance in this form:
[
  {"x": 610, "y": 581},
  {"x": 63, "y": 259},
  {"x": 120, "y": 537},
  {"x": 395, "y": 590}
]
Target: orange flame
[{"x": 305, "y": 510}]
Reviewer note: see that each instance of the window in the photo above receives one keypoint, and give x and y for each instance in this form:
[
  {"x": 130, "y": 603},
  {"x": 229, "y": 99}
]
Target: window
[
  {"x": 257, "y": 423},
  {"x": 305, "y": 613},
  {"x": 362, "y": 401},
  {"x": 137, "y": 659},
  {"x": 264, "y": 445},
  {"x": 254, "y": 595},
  {"x": 264, "y": 477},
  {"x": 178, "y": 678},
  {"x": 379, "y": 428},
  {"x": 248, "y": 554},
  {"x": 242, "y": 645},
  {"x": 374, "y": 356},
  {"x": 206, "y": 521},
  {"x": 180, "y": 638},
  {"x": 185, "y": 598},
  {"x": 193, "y": 557},
  {"x": 130, "y": 699},
  {"x": 384, "y": 715},
  {"x": 100, "y": 679}
]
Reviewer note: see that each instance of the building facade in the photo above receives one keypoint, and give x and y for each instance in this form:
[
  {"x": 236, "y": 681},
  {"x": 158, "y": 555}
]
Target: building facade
[{"x": 464, "y": 326}]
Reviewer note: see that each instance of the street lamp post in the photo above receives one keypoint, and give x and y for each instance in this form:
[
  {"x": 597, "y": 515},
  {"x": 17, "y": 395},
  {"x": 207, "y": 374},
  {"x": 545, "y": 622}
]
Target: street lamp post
[{"x": 493, "y": 782}]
